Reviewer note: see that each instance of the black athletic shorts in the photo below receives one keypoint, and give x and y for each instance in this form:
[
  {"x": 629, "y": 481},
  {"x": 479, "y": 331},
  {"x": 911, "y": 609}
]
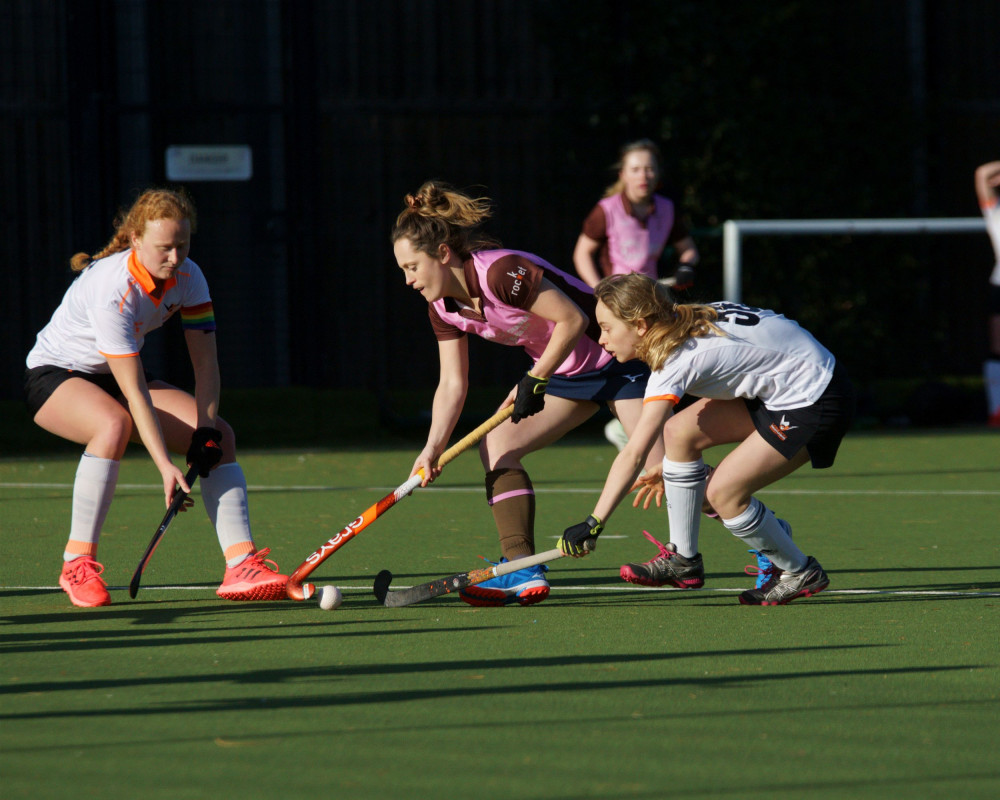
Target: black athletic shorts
[
  {"x": 819, "y": 428},
  {"x": 41, "y": 382},
  {"x": 994, "y": 299},
  {"x": 615, "y": 381}
]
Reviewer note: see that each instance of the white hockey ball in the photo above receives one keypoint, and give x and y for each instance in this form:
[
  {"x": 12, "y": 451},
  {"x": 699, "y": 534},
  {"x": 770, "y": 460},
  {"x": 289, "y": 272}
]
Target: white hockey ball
[{"x": 330, "y": 597}]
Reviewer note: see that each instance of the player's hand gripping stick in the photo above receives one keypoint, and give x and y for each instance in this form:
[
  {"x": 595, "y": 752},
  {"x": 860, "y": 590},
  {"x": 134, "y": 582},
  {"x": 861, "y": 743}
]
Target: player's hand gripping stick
[
  {"x": 205, "y": 450},
  {"x": 578, "y": 540},
  {"x": 530, "y": 398}
]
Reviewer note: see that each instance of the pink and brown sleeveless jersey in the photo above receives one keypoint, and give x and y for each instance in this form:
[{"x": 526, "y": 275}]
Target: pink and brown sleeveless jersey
[
  {"x": 627, "y": 243},
  {"x": 507, "y": 283}
]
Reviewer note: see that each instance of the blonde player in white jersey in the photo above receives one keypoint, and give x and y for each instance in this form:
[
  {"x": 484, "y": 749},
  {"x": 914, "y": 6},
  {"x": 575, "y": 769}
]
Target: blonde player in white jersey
[
  {"x": 764, "y": 382},
  {"x": 85, "y": 382},
  {"x": 988, "y": 194}
]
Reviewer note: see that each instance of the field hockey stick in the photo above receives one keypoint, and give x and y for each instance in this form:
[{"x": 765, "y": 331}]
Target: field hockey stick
[
  {"x": 175, "y": 506},
  {"x": 425, "y": 591},
  {"x": 297, "y": 590}
]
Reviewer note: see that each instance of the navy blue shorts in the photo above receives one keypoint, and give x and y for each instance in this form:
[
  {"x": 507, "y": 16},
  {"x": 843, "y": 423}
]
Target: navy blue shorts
[
  {"x": 615, "y": 381},
  {"x": 819, "y": 428},
  {"x": 41, "y": 382}
]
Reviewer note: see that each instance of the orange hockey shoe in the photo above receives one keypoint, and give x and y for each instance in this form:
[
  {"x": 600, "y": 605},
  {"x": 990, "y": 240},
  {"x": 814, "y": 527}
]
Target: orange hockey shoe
[
  {"x": 81, "y": 580},
  {"x": 254, "y": 578}
]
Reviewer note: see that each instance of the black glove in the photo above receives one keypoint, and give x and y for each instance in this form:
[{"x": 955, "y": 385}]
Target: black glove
[
  {"x": 580, "y": 539},
  {"x": 530, "y": 397},
  {"x": 205, "y": 450},
  {"x": 684, "y": 276}
]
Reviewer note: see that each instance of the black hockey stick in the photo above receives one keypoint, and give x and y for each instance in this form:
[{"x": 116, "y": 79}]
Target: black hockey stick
[
  {"x": 425, "y": 591},
  {"x": 175, "y": 506}
]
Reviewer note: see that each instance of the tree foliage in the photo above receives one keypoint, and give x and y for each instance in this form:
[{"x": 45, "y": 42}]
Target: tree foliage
[{"x": 780, "y": 109}]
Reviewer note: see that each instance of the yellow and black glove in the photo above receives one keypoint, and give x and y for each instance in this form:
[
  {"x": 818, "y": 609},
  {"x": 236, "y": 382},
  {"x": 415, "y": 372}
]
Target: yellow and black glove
[
  {"x": 530, "y": 398},
  {"x": 580, "y": 539}
]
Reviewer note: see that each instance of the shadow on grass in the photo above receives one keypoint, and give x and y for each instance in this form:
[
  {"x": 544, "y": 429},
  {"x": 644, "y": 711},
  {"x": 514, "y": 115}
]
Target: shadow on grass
[
  {"x": 278, "y": 676},
  {"x": 485, "y": 693},
  {"x": 701, "y": 599}
]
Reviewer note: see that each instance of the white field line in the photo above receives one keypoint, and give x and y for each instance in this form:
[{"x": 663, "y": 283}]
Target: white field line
[
  {"x": 543, "y": 490},
  {"x": 561, "y": 588}
]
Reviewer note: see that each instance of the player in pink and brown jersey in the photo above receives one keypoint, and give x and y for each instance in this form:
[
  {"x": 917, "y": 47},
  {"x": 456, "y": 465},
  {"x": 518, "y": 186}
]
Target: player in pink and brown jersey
[
  {"x": 473, "y": 286},
  {"x": 630, "y": 227}
]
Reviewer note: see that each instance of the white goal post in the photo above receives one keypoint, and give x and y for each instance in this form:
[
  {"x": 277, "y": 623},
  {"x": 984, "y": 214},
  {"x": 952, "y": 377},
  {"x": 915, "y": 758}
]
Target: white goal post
[{"x": 733, "y": 232}]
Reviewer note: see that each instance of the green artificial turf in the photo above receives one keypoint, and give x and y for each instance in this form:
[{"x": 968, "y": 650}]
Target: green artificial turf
[{"x": 885, "y": 685}]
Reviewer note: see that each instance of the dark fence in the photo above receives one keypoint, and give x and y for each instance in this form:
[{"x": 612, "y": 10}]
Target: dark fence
[{"x": 347, "y": 105}]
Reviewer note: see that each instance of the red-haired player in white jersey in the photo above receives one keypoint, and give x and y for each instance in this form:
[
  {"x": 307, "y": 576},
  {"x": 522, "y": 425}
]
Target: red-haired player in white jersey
[
  {"x": 988, "y": 193},
  {"x": 517, "y": 299},
  {"x": 85, "y": 382}
]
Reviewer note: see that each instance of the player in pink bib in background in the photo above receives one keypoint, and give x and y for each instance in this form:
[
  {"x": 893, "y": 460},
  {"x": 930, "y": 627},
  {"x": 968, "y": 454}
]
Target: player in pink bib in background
[
  {"x": 628, "y": 230},
  {"x": 473, "y": 286}
]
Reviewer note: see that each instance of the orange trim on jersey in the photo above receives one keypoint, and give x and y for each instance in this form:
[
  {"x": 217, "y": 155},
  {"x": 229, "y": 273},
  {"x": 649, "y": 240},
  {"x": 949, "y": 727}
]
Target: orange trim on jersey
[
  {"x": 118, "y": 355},
  {"x": 661, "y": 397},
  {"x": 128, "y": 291},
  {"x": 145, "y": 280}
]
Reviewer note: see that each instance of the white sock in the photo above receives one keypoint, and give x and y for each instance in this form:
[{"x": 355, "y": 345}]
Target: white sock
[
  {"x": 93, "y": 490},
  {"x": 684, "y": 487},
  {"x": 991, "y": 376},
  {"x": 224, "y": 493},
  {"x": 761, "y": 531}
]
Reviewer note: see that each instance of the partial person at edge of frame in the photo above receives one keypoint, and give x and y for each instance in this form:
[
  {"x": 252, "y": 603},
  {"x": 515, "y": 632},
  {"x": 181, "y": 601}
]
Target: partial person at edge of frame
[
  {"x": 474, "y": 286},
  {"x": 764, "y": 383},
  {"x": 629, "y": 229},
  {"x": 85, "y": 382},
  {"x": 988, "y": 194}
]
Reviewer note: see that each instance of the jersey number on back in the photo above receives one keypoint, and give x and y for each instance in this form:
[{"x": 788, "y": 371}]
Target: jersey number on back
[{"x": 737, "y": 314}]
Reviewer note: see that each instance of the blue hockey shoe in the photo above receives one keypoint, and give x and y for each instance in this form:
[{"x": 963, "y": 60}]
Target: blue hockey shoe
[{"x": 525, "y": 587}]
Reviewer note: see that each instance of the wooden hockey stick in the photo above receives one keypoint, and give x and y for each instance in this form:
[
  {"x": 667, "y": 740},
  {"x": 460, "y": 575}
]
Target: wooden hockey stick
[{"x": 297, "y": 590}]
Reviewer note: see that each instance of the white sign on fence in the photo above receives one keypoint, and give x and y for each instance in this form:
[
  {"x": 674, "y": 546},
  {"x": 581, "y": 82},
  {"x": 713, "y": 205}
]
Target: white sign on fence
[{"x": 209, "y": 162}]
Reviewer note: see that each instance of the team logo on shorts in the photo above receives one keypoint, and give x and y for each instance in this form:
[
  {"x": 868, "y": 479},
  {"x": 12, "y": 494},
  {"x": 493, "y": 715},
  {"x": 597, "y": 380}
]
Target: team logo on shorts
[{"x": 778, "y": 429}]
